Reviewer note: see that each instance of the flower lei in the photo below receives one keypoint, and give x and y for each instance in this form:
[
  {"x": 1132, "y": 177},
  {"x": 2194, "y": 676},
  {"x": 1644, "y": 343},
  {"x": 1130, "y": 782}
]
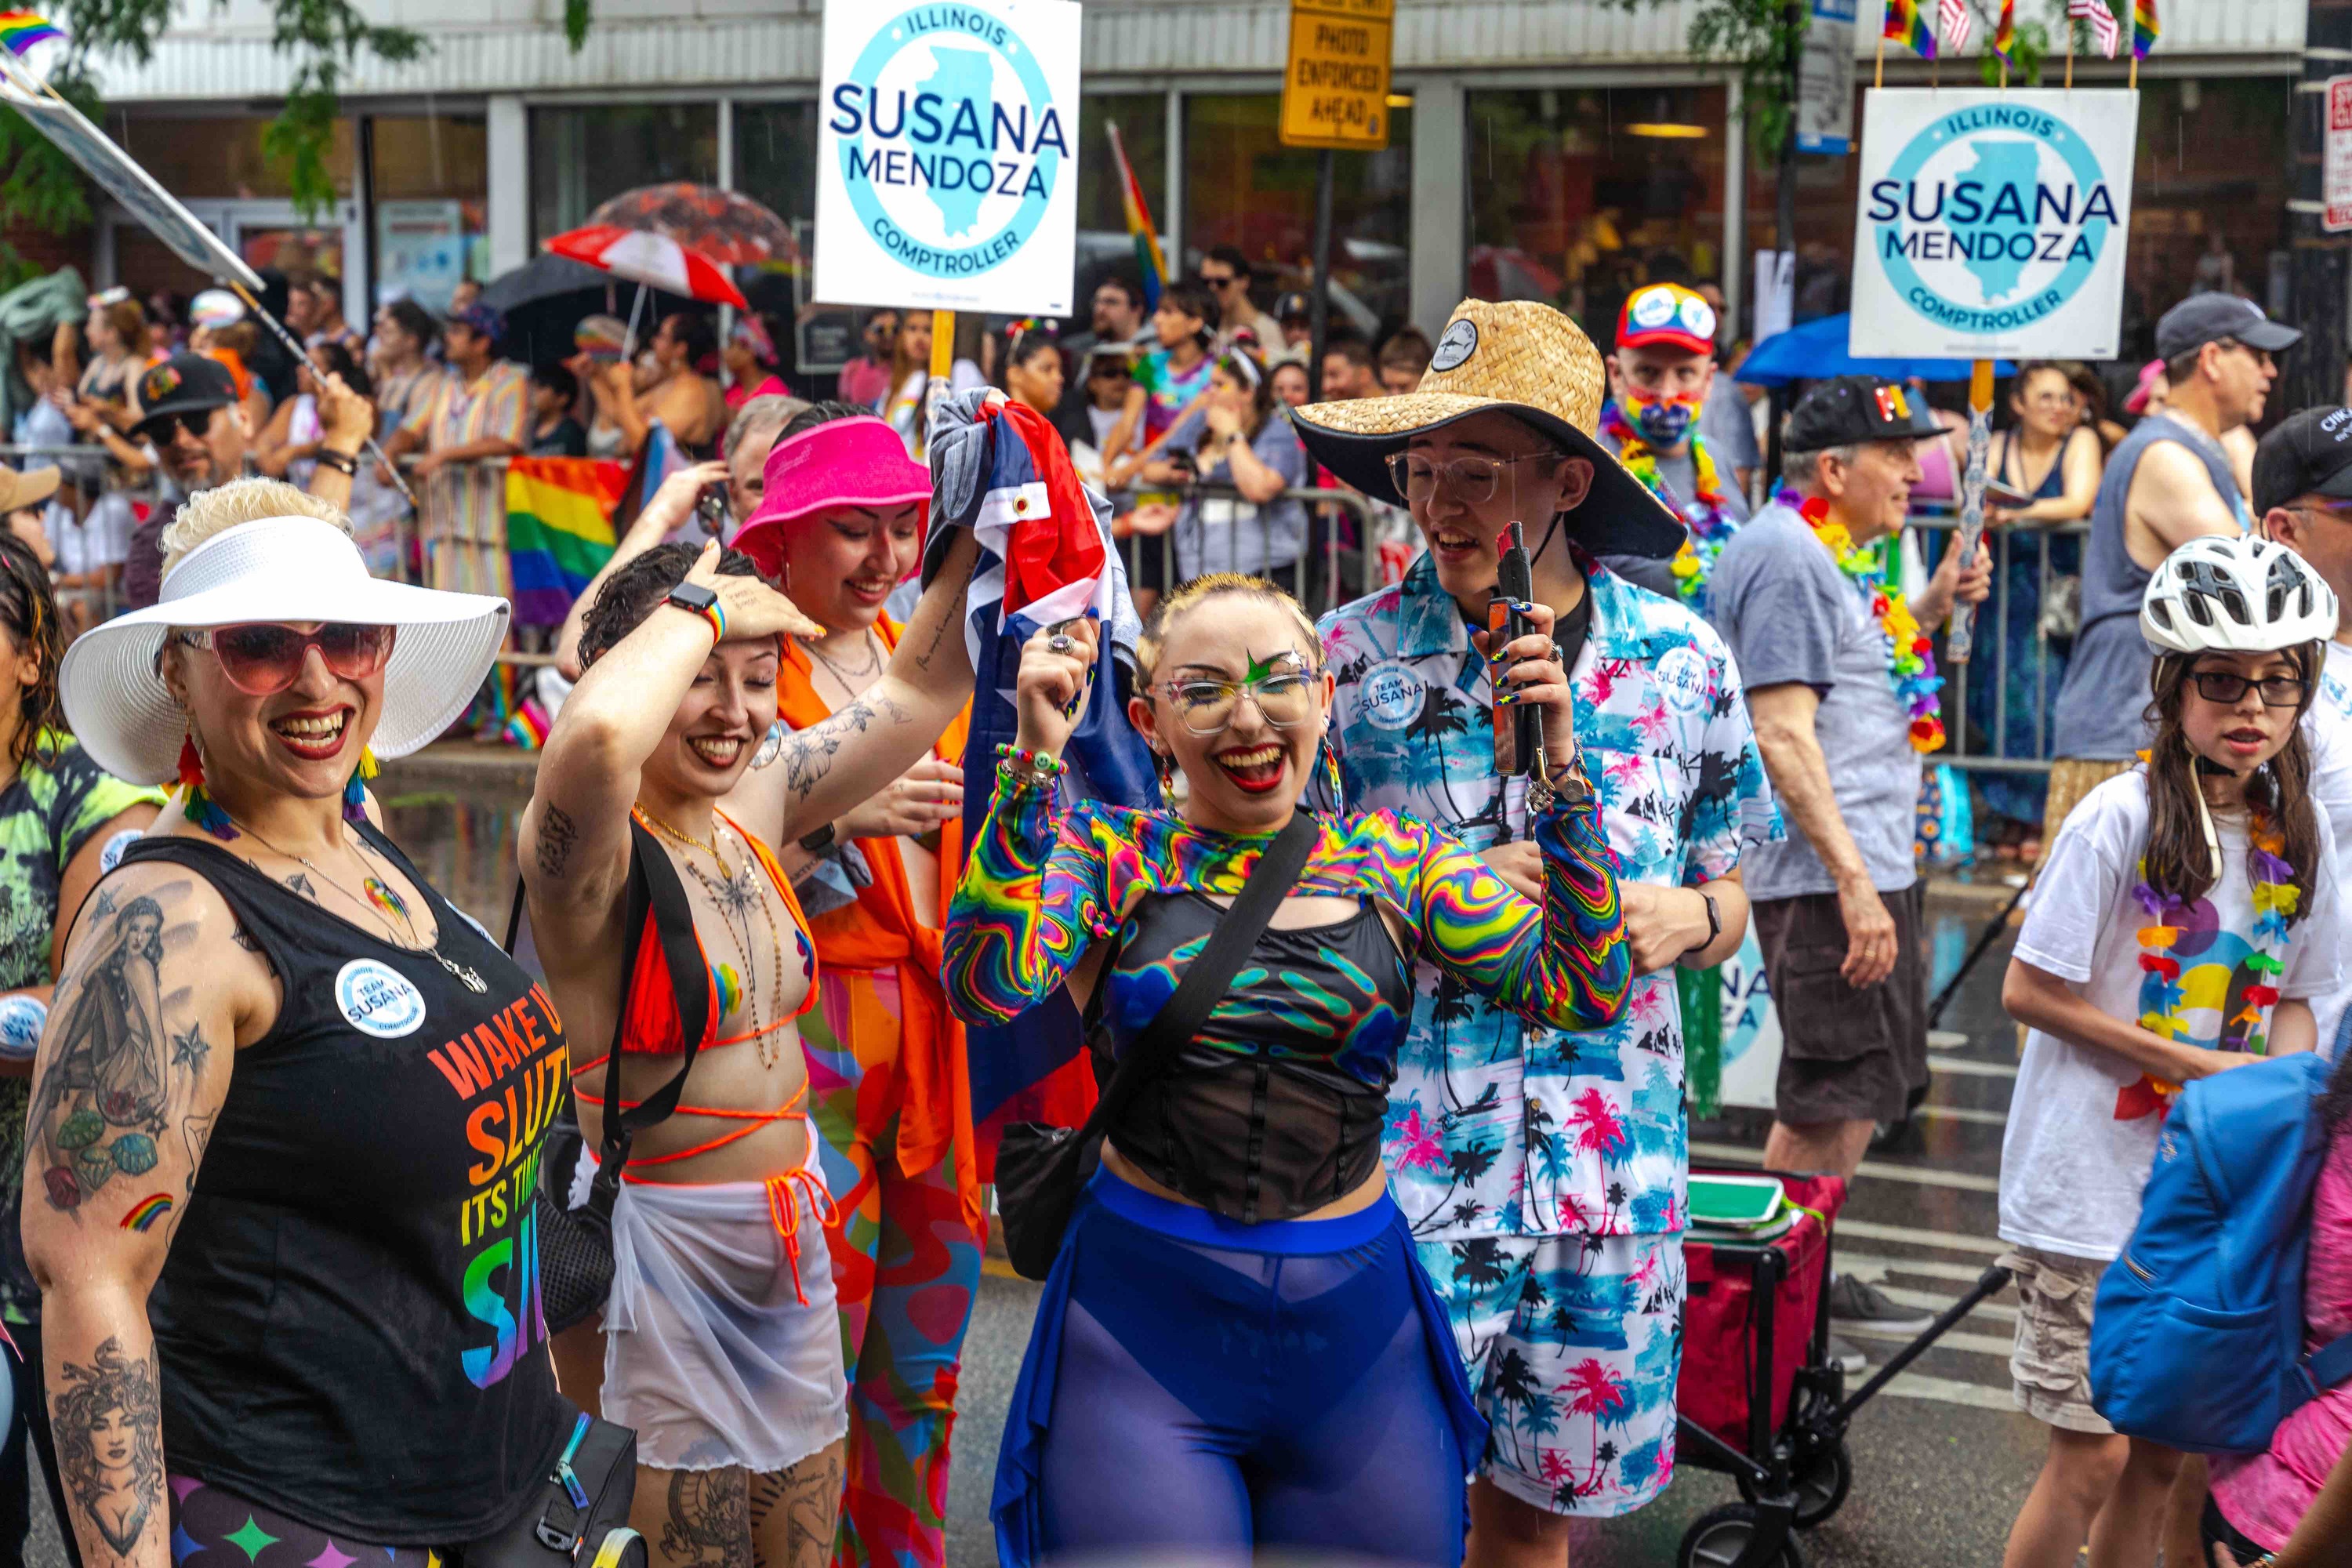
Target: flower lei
[
  {"x": 1910, "y": 656},
  {"x": 2274, "y": 896},
  {"x": 1711, "y": 524}
]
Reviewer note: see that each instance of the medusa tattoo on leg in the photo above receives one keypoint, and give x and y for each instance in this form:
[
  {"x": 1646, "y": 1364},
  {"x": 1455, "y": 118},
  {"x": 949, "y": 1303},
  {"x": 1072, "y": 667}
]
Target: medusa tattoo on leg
[{"x": 109, "y": 1421}]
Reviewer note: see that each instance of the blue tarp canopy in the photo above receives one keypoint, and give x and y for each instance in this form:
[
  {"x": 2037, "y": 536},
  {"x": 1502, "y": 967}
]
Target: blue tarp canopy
[{"x": 1815, "y": 349}]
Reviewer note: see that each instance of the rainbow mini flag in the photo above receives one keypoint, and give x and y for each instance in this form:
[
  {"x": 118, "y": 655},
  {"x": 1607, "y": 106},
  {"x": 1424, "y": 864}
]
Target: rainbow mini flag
[
  {"x": 2144, "y": 27},
  {"x": 559, "y": 531},
  {"x": 1908, "y": 27},
  {"x": 1147, "y": 256},
  {"x": 20, "y": 30},
  {"x": 2004, "y": 34}
]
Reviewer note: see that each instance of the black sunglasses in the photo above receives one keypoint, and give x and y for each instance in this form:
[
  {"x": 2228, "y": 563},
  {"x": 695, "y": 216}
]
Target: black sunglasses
[{"x": 163, "y": 429}]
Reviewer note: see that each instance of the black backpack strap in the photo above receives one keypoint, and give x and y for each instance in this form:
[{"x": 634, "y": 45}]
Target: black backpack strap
[{"x": 1207, "y": 977}]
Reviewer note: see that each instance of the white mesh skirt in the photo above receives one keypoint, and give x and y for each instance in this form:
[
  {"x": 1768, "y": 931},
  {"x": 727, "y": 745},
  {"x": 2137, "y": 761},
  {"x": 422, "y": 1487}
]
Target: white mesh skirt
[{"x": 722, "y": 1341}]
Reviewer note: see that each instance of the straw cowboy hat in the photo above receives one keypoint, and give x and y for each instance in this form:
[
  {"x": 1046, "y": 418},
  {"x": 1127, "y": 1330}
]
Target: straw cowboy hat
[
  {"x": 278, "y": 569},
  {"x": 1531, "y": 361}
]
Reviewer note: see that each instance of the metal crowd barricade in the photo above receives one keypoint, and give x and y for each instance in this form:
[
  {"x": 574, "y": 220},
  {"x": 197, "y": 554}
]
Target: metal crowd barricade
[
  {"x": 1990, "y": 658},
  {"x": 88, "y": 469},
  {"x": 1322, "y": 565}
]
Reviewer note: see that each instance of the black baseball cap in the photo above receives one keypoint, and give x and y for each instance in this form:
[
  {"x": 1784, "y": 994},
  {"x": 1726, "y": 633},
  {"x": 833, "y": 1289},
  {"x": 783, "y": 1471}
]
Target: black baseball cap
[
  {"x": 2202, "y": 319},
  {"x": 184, "y": 383},
  {"x": 2310, "y": 453},
  {"x": 1847, "y": 410},
  {"x": 1294, "y": 306}
]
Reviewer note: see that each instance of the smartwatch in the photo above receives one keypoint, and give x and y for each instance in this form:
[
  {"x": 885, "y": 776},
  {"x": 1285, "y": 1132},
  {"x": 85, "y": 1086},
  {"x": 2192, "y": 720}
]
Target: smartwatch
[
  {"x": 820, "y": 841},
  {"x": 697, "y": 600}
]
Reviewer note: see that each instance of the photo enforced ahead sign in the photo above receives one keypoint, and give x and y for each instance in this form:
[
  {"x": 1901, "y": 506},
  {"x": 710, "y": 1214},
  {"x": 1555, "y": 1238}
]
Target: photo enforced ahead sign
[
  {"x": 947, "y": 156},
  {"x": 1992, "y": 224}
]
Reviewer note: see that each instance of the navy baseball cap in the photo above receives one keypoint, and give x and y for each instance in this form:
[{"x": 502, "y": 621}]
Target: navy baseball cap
[
  {"x": 1847, "y": 410},
  {"x": 2202, "y": 319},
  {"x": 184, "y": 383},
  {"x": 2309, "y": 453}
]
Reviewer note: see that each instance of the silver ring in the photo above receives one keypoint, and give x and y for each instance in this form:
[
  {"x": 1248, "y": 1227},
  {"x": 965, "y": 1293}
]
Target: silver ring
[{"x": 1060, "y": 641}]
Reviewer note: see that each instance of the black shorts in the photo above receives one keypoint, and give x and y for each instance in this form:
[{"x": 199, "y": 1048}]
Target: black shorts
[
  {"x": 2219, "y": 1531},
  {"x": 1846, "y": 1055}
]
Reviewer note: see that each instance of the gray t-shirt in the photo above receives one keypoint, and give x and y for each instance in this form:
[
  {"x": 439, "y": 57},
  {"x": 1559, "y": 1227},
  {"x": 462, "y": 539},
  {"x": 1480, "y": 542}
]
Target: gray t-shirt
[
  {"x": 1791, "y": 615},
  {"x": 1728, "y": 424},
  {"x": 1656, "y": 573}
]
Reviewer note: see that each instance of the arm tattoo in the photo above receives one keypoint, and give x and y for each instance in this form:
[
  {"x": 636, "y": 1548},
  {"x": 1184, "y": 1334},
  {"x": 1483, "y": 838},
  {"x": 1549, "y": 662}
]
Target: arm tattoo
[
  {"x": 809, "y": 755},
  {"x": 808, "y": 1496},
  {"x": 106, "y": 1086},
  {"x": 707, "y": 1526},
  {"x": 557, "y": 834},
  {"x": 109, "y": 1421}
]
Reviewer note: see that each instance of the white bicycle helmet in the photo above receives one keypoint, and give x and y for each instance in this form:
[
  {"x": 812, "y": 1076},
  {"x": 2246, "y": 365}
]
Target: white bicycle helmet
[{"x": 2222, "y": 595}]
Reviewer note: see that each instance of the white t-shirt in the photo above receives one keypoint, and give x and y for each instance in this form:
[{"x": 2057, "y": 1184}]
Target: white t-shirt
[
  {"x": 2328, "y": 725},
  {"x": 2083, "y": 1121}
]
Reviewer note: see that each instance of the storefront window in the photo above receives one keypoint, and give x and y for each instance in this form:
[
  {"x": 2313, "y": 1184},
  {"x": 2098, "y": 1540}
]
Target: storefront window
[
  {"x": 1827, "y": 189},
  {"x": 1243, "y": 188},
  {"x": 1579, "y": 195},
  {"x": 581, "y": 157},
  {"x": 430, "y": 177},
  {"x": 776, "y": 164},
  {"x": 2210, "y": 190},
  {"x": 1105, "y": 248},
  {"x": 221, "y": 156}
]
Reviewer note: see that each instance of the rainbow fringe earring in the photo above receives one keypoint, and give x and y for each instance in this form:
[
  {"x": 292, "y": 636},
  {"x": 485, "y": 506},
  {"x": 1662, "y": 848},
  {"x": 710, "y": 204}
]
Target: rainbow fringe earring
[
  {"x": 354, "y": 793},
  {"x": 200, "y": 807},
  {"x": 1331, "y": 779}
]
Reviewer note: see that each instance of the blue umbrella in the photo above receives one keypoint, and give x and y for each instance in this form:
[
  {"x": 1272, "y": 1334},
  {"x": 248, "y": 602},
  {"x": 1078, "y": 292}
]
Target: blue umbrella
[{"x": 1816, "y": 349}]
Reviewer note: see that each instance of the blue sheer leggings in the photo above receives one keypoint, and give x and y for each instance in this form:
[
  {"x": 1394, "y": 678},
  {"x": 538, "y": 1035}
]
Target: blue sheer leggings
[{"x": 1224, "y": 1387}]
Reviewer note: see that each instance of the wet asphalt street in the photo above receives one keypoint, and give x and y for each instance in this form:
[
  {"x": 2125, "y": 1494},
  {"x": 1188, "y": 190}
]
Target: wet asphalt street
[{"x": 1941, "y": 1459}]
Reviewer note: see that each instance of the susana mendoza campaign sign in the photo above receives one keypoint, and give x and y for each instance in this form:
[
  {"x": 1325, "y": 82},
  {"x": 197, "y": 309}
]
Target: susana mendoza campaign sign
[
  {"x": 1992, "y": 224},
  {"x": 947, "y": 156}
]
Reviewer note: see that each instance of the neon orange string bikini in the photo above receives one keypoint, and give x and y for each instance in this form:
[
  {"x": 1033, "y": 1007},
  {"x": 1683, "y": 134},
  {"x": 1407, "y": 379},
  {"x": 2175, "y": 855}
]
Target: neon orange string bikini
[{"x": 653, "y": 1028}]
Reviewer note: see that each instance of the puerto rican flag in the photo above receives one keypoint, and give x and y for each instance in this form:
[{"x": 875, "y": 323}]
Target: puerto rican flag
[{"x": 1044, "y": 558}]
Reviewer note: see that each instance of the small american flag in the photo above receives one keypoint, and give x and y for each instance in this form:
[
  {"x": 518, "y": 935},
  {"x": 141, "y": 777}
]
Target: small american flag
[
  {"x": 1954, "y": 18},
  {"x": 2105, "y": 31}
]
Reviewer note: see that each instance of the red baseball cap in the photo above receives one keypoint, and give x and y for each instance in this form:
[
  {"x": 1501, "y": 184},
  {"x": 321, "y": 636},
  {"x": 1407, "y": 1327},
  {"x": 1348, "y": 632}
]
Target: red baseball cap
[{"x": 1668, "y": 315}]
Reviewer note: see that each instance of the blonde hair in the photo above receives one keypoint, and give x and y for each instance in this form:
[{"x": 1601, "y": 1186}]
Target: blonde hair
[
  {"x": 1173, "y": 606},
  {"x": 223, "y": 506}
]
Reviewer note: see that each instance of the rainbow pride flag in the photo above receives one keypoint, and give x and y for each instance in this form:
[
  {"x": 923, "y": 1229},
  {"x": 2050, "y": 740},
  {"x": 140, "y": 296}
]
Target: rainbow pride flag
[
  {"x": 2144, "y": 28},
  {"x": 559, "y": 531},
  {"x": 1149, "y": 258},
  {"x": 1907, "y": 27},
  {"x": 2005, "y": 34},
  {"x": 20, "y": 30}
]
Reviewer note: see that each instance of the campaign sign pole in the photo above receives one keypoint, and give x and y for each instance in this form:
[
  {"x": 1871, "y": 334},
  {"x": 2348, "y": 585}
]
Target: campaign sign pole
[
  {"x": 946, "y": 174},
  {"x": 1961, "y": 640}
]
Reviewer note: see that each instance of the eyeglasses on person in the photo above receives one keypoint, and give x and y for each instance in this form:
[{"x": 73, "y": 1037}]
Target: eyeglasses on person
[
  {"x": 1469, "y": 480},
  {"x": 263, "y": 658},
  {"x": 1285, "y": 698},
  {"x": 2222, "y": 686}
]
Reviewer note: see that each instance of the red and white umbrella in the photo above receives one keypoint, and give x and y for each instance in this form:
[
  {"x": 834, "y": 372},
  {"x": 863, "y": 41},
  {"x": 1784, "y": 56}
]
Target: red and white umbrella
[{"x": 655, "y": 260}]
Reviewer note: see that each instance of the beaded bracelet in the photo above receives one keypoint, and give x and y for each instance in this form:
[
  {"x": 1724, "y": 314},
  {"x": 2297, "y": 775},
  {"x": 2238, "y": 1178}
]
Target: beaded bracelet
[{"x": 1019, "y": 767}]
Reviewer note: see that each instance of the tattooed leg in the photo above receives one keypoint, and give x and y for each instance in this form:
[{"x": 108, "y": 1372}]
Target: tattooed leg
[
  {"x": 793, "y": 1513},
  {"x": 109, "y": 1420},
  {"x": 693, "y": 1519}
]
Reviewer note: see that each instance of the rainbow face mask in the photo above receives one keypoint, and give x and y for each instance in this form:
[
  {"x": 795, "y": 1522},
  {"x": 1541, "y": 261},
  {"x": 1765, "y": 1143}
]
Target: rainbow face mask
[{"x": 1663, "y": 421}]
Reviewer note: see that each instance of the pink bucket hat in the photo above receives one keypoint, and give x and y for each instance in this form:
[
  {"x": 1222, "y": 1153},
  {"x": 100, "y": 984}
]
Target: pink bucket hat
[{"x": 842, "y": 462}]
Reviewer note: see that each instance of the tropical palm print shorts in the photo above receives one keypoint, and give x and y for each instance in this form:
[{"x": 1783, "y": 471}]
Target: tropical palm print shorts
[{"x": 1573, "y": 1344}]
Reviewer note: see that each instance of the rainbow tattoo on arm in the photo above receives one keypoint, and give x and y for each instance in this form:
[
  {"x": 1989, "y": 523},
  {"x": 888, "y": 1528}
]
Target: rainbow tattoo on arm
[
  {"x": 1564, "y": 963},
  {"x": 147, "y": 1211},
  {"x": 1031, "y": 900}
]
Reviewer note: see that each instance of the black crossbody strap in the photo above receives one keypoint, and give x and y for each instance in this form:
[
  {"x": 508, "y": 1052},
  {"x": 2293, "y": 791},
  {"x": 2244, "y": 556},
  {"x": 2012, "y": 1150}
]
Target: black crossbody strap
[
  {"x": 1207, "y": 977},
  {"x": 653, "y": 888}
]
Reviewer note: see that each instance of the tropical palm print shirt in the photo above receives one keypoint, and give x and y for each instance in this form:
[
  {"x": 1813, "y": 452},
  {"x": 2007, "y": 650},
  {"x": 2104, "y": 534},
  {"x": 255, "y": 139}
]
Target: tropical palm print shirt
[
  {"x": 47, "y": 814},
  {"x": 1560, "y": 1131}
]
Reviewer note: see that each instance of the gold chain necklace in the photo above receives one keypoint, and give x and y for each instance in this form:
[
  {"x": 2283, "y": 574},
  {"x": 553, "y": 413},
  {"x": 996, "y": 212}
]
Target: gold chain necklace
[
  {"x": 733, "y": 892},
  {"x": 846, "y": 676},
  {"x": 384, "y": 900}
]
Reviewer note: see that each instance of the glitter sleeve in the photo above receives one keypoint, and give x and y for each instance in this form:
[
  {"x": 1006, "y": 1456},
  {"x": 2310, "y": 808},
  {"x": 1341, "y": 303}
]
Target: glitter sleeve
[
  {"x": 1031, "y": 900},
  {"x": 1564, "y": 963}
]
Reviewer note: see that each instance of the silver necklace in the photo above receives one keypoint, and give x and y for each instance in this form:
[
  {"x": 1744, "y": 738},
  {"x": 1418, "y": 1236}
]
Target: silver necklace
[
  {"x": 846, "y": 676},
  {"x": 382, "y": 896}
]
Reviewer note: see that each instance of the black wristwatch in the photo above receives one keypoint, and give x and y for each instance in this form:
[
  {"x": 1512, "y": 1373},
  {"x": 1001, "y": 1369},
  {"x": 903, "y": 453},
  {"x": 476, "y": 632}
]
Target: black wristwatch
[
  {"x": 343, "y": 463},
  {"x": 1713, "y": 924},
  {"x": 693, "y": 597},
  {"x": 820, "y": 841}
]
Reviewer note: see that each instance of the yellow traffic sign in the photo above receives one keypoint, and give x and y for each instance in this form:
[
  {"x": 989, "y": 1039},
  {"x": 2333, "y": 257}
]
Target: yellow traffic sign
[{"x": 1334, "y": 91}]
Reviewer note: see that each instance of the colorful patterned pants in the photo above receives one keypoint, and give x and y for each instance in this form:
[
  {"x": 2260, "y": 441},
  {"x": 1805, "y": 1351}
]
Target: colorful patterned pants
[
  {"x": 216, "y": 1529},
  {"x": 905, "y": 1265}
]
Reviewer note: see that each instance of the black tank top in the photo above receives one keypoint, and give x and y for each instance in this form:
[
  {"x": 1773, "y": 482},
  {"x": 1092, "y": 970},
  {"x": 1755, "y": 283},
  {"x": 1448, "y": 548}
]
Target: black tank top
[
  {"x": 1275, "y": 1108},
  {"x": 349, "y": 1316}
]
